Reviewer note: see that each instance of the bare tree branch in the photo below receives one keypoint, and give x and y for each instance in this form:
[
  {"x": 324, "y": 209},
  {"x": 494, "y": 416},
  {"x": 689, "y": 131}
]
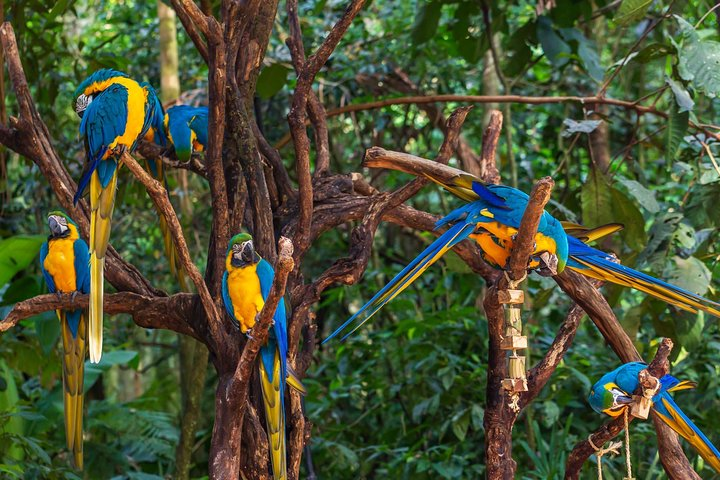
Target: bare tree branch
[
  {"x": 297, "y": 116},
  {"x": 170, "y": 313},
  {"x": 158, "y": 194}
]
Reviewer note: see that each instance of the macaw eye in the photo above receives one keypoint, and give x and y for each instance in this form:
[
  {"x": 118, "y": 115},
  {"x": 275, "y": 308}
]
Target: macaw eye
[{"x": 237, "y": 248}]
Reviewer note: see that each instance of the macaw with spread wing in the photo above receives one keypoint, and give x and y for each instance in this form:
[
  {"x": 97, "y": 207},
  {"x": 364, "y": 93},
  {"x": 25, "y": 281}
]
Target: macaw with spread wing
[
  {"x": 115, "y": 113},
  {"x": 156, "y": 168},
  {"x": 492, "y": 218},
  {"x": 246, "y": 285},
  {"x": 187, "y": 129},
  {"x": 612, "y": 394},
  {"x": 64, "y": 261}
]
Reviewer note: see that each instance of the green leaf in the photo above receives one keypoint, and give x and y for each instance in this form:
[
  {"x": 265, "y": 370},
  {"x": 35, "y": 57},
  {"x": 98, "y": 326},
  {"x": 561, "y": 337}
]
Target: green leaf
[
  {"x": 460, "y": 424},
  {"x": 631, "y": 11},
  {"x": 682, "y": 97},
  {"x": 426, "y": 22},
  {"x": 645, "y": 197},
  {"x": 271, "y": 80},
  {"x": 16, "y": 253},
  {"x": 624, "y": 211},
  {"x": 555, "y": 48},
  {"x": 699, "y": 62},
  {"x": 596, "y": 200},
  {"x": 653, "y": 52},
  {"x": 690, "y": 274},
  {"x": 47, "y": 326},
  {"x": 586, "y": 50},
  {"x": 676, "y": 127},
  {"x": 21, "y": 289}
]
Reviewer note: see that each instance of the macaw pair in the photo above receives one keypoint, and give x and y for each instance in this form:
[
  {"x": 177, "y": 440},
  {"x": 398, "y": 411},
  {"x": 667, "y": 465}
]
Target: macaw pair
[
  {"x": 492, "y": 217},
  {"x": 612, "y": 394},
  {"x": 116, "y": 112},
  {"x": 65, "y": 264},
  {"x": 246, "y": 285}
]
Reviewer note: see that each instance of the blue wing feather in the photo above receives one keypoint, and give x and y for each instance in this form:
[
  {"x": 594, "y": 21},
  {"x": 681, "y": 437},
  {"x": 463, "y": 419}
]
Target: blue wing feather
[
  {"x": 82, "y": 266},
  {"x": 227, "y": 301},
  {"x": 48, "y": 278},
  {"x": 278, "y": 335}
]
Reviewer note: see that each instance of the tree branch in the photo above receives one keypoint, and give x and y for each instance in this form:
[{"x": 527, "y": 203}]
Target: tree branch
[
  {"x": 296, "y": 119},
  {"x": 170, "y": 313},
  {"x": 519, "y": 99},
  {"x": 159, "y": 196}
]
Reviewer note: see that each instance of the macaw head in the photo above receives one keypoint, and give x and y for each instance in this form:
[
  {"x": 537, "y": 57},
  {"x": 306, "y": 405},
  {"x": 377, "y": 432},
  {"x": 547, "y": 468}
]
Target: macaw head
[
  {"x": 61, "y": 225},
  {"x": 609, "y": 399},
  {"x": 93, "y": 86},
  {"x": 241, "y": 251}
]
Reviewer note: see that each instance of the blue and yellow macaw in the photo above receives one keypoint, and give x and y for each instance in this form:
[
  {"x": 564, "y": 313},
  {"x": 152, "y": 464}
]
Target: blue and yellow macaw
[
  {"x": 64, "y": 261},
  {"x": 492, "y": 218},
  {"x": 613, "y": 393},
  {"x": 156, "y": 168},
  {"x": 246, "y": 285},
  {"x": 115, "y": 114},
  {"x": 187, "y": 130}
]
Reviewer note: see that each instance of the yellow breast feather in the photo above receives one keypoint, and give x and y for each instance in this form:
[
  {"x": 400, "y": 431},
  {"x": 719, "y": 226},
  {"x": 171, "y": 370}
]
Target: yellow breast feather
[
  {"x": 245, "y": 294},
  {"x": 60, "y": 264}
]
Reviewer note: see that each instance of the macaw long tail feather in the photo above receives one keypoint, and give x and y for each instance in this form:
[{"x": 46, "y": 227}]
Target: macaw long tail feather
[
  {"x": 274, "y": 416},
  {"x": 74, "y": 335},
  {"x": 595, "y": 264},
  {"x": 102, "y": 201},
  {"x": 96, "y": 308},
  {"x": 402, "y": 280},
  {"x": 668, "y": 411},
  {"x": 609, "y": 271}
]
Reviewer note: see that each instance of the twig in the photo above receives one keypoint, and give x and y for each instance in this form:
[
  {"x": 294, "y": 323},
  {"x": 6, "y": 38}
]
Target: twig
[
  {"x": 316, "y": 110},
  {"x": 521, "y": 99},
  {"x": 488, "y": 166},
  {"x": 193, "y": 19},
  {"x": 158, "y": 194},
  {"x": 297, "y": 116}
]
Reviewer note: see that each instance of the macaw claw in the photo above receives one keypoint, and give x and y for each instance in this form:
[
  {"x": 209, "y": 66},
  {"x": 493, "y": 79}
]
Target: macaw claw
[{"x": 248, "y": 334}]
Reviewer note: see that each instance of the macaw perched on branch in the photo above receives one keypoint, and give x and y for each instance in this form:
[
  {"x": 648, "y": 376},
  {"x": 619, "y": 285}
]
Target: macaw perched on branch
[
  {"x": 492, "y": 218},
  {"x": 246, "y": 285},
  {"x": 187, "y": 129},
  {"x": 115, "y": 113},
  {"x": 64, "y": 261},
  {"x": 156, "y": 133},
  {"x": 612, "y": 394}
]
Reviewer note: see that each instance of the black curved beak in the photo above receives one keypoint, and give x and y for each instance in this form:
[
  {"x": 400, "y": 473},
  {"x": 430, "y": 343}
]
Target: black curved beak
[
  {"x": 56, "y": 228},
  {"x": 247, "y": 254}
]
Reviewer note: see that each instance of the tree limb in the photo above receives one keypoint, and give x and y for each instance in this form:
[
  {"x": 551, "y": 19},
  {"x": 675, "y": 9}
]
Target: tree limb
[
  {"x": 158, "y": 194},
  {"x": 170, "y": 313}
]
